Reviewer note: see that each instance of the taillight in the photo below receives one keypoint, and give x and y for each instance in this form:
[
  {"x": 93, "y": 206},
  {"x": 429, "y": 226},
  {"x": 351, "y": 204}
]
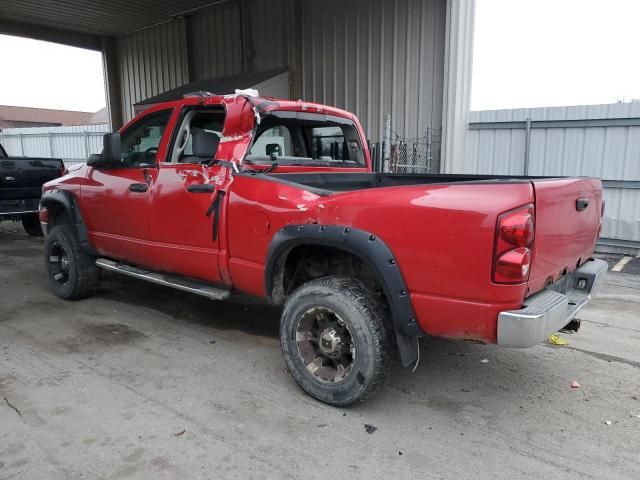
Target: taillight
[
  {"x": 43, "y": 215},
  {"x": 517, "y": 229},
  {"x": 513, "y": 244},
  {"x": 63, "y": 169}
]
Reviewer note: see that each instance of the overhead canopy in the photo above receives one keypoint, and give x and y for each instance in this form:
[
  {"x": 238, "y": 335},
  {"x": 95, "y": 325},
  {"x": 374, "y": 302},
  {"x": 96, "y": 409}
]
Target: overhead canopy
[
  {"x": 97, "y": 17},
  {"x": 271, "y": 83}
]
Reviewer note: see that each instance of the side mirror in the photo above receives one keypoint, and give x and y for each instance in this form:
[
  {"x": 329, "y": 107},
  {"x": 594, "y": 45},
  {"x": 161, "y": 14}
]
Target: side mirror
[{"x": 111, "y": 155}]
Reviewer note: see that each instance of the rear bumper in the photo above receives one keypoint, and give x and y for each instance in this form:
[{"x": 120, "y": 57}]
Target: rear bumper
[
  {"x": 548, "y": 311},
  {"x": 17, "y": 208}
]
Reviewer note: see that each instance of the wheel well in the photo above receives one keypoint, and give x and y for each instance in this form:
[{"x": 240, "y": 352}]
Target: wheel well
[
  {"x": 307, "y": 262},
  {"x": 58, "y": 214}
]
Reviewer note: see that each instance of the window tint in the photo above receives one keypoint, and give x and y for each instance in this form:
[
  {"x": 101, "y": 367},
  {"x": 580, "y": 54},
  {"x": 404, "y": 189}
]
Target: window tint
[{"x": 141, "y": 140}]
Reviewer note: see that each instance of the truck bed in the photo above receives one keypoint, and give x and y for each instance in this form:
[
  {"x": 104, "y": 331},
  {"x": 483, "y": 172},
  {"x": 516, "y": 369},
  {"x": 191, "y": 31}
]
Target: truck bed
[
  {"x": 23, "y": 177},
  {"x": 568, "y": 210},
  {"x": 21, "y": 180},
  {"x": 330, "y": 183}
]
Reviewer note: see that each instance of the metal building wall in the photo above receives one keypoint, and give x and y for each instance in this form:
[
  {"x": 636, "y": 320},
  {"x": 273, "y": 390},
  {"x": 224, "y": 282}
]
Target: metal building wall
[
  {"x": 150, "y": 62},
  {"x": 215, "y": 42},
  {"x": 269, "y": 34},
  {"x": 237, "y": 37},
  {"x": 375, "y": 57},
  {"x": 362, "y": 55},
  {"x": 209, "y": 43},
  {"x": 592, "y": 140}
]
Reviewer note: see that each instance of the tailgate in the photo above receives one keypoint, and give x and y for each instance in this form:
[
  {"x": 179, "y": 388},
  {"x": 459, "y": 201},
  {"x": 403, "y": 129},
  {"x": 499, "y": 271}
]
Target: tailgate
[
  {"x": 567, "y": 222},
  {"x": 23, "y": 177}
]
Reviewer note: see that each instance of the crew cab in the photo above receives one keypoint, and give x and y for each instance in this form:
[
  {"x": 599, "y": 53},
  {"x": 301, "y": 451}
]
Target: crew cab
[
  {"x": 21, "y": 180},
  {"x": 277, "y": 199}
]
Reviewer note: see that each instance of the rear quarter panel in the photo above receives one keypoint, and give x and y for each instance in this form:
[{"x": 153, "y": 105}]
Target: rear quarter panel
[{"x": 441, "y": 235}]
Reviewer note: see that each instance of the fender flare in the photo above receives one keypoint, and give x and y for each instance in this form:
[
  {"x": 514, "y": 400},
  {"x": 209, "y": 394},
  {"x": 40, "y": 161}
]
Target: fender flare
[
  {"x": 373, "y": 252},
  {"x": 67, "y": 201}
]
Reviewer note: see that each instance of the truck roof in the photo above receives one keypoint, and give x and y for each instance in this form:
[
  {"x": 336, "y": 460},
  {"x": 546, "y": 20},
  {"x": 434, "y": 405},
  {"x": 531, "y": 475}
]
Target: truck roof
[{"x": 261, "y": 104}]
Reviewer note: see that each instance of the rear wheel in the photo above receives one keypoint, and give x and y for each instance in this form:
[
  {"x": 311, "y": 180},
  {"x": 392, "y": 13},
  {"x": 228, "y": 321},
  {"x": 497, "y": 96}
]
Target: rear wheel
[
  {"x": 31, "y": 225},
  {"x": 335, "y": 340},
  {"x": 72, "y": 273}
]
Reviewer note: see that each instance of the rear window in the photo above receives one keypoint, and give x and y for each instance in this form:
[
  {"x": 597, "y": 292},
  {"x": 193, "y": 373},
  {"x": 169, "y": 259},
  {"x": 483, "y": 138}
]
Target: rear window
[
  {"x": 307, "y": 141},
  {"x": 329, "y": 142}
]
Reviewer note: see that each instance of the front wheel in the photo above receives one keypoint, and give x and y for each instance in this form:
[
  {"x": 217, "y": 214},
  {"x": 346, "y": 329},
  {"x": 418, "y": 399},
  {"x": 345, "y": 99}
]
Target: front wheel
[
  {"x": 72, "y": 273},
  {"x": 31, "y": 225},
  {"x": 335, "y": 340}
]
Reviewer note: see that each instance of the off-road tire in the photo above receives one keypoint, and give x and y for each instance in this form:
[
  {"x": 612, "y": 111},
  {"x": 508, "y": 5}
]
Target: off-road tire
[
  {"x": 83, "y": 276},
  {"x": 362, "y": 313},
  {"x": 31, "y": 225}
]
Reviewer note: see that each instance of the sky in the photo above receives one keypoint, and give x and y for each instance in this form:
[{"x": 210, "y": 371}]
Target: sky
[
  {"x": 49, "y": 75},
  {"x": 533, "y": 53},
  {"x": 527, "y": 53}
]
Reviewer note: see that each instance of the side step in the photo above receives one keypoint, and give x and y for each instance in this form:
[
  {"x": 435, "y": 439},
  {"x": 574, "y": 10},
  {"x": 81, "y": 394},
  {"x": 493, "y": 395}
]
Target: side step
[{"x": 168, "y": 280}]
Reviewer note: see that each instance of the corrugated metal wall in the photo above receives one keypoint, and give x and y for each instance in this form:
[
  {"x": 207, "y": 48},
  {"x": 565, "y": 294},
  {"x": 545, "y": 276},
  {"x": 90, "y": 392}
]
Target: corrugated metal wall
[
  {"x": 152, "y": 61},
  {"x": 270, "y": 33},
  {"x": 375, "y": 57},
  {"x": 362, "y": 55},
  {"x": 215, "y": 40},
  {"x": 609, "y": 149},
  {"x": 72, "y": 144}
]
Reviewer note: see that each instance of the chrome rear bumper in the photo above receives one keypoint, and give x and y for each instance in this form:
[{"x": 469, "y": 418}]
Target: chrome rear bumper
[{"x": 548, "y": 311}]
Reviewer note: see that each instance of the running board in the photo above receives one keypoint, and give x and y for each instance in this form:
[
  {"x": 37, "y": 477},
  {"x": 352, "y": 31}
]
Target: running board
[{"x": 168, "y": 280}]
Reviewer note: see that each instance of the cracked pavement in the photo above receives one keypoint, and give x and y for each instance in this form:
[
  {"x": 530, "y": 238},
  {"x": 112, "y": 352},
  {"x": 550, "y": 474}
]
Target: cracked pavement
[{"x": 142, "y": 382}]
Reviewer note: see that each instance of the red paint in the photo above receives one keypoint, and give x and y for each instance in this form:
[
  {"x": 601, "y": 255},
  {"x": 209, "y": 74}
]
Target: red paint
[{"x": 443, "y": 236}]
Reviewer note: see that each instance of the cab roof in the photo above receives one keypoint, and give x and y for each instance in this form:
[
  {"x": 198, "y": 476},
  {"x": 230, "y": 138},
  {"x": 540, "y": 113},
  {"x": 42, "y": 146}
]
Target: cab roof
[{"x": 262, "y": 105}]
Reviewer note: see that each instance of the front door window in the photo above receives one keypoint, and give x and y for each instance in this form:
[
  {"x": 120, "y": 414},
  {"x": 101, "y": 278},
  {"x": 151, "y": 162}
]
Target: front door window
[{"x": 141, "y": 140}]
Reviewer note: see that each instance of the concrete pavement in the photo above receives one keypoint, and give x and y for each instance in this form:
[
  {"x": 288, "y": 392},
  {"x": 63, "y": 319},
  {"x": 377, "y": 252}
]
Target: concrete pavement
[{"x": 142, "y": 381}]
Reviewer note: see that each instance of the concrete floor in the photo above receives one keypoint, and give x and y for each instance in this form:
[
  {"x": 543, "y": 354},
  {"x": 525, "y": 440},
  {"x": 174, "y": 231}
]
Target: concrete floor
[{"x": 143, "y": 382}]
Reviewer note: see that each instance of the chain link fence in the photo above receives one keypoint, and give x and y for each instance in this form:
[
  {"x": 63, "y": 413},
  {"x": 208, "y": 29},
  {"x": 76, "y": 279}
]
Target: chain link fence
[{"x": 408, "y": 155}]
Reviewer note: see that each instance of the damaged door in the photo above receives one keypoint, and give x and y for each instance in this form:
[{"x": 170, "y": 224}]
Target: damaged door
[{"x": 187, "y": 198}]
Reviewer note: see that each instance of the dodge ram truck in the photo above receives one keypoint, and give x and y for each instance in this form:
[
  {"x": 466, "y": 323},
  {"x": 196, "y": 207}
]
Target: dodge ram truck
[
  {"x": 21, "y": 180},
  {"x": 277, "y": 199}
]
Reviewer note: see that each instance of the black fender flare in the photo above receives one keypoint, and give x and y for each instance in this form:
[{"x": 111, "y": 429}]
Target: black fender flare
[
  {"x": 68, "y": 202},
  {"x": 373, "y": 252}
]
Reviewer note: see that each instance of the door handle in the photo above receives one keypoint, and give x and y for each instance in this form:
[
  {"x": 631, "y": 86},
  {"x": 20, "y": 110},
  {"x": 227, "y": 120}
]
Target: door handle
[
  {"x": 138, "y": 187},
  {"x": 201, "y": 188},
  {"x": 582, "y": 204}
]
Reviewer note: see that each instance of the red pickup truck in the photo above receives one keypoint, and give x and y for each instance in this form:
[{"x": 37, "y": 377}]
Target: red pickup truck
[{"x": 277, "y": 199}]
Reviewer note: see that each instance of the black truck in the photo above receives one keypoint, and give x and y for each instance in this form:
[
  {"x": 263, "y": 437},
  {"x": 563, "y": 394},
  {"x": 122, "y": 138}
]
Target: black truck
[{"x": 21, "y": 180}]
